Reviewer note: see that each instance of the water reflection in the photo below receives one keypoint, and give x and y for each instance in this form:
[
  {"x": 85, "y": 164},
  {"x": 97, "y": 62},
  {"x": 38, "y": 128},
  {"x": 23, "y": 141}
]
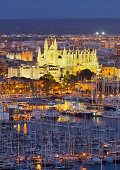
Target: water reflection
[
  {"x": 65, "y": 119},
  {"x": 70, "y": 138},
  {"x": 98, "y": 121},
  {"x": 38, "y": 167}
]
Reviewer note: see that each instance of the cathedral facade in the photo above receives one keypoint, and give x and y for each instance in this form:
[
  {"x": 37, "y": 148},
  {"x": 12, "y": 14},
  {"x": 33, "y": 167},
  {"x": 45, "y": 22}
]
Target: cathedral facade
[
  {"x": 57, "y": 62},
  {"x": 68, "y": 60}
]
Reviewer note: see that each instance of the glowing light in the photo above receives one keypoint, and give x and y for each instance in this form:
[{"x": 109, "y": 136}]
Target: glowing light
[
  {"x": 39, "y": 166},
  {"x": 81, "y": 168},
  {"x": 103, "y": 96},
  {"x": 103, "y": 33},
  {"x": 59, "y": 119},
  {"x": 14, "y": 126},
  {"x": 18, "y": 127},
  {"x": 84, "y": 154},
  {"x": 25, "y": 129},
  {"x": 105, "y": 145},
  {"x": 97, "y": 33}
]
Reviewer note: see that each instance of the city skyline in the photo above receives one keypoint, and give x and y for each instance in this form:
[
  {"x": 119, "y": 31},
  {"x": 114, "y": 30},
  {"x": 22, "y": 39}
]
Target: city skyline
[{"x": 59, "y": 9}]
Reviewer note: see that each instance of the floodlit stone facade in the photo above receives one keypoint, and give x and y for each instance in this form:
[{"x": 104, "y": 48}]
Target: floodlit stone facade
[
  {"x": 70, "y": 60},
  {"x": 57, "y": 62}
]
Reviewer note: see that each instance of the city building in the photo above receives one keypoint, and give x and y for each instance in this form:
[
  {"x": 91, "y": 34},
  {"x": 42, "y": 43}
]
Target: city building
[
  {"x": 109, "y": 71},
  {"x": 57, "y": 62},
  {"x": 68, "y": 60},
  {"x": 27, "y": 56},
  {"x": 117, "y": 50},
  {"x": 14, "y": 55},
  {"x": 109, "y": 44},
  {"x": 24, "y": 55},
  {"x": 34, "y": 72}
]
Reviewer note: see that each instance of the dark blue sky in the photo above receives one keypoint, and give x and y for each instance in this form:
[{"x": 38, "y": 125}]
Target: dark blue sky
[{"x": 15, "y": 9}]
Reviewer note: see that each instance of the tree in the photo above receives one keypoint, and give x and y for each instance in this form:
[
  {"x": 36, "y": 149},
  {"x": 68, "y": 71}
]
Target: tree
[
  {"x": 85, "y": 74},
  {"x": 67, "y": 77},
  {"x": 49, "y": 82},
  {"x": 47, "y": 76}
]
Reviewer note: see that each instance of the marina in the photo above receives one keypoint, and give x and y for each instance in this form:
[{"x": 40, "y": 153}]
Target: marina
[{"x": 53, "y": 139}]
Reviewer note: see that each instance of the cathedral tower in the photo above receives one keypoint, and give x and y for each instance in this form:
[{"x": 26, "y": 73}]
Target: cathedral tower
[{"x": 39, "y": 57}]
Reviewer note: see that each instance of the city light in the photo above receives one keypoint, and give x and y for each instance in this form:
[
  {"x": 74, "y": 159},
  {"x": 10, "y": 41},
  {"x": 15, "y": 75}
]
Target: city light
[
  {"x": 103, "y": 33},
  {"x": 55, "y": 109},
  {"x": 97, "y": 33}
]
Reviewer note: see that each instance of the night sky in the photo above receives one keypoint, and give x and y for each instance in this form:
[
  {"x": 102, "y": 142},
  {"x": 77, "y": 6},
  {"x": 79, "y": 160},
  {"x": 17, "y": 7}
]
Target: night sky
[{"x": 20, "y": 9}]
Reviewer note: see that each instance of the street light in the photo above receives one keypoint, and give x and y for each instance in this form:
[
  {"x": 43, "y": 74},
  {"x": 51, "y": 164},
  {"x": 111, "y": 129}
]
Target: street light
[
  {"x": 97, "y": 33},
  {"x": 103, "y": 33}
]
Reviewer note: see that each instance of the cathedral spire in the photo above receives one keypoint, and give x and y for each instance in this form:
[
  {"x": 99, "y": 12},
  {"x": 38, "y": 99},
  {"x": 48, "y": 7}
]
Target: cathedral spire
[
  {"x": 64, "y": 51},
  {"x": 55, "y": 44},
  {"x": 55, "y": 41},
  {"x": 46, "y": 41},
  {"x": 95, "y": 51},
  {"x": 46, "y": 45},
  {"x": 39, "y": 56},
  {"x": 39, "y": 51}
]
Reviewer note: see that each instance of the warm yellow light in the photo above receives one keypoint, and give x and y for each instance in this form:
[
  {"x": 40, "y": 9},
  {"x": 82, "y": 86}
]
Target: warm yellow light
[
  {"x": 14, "y": 126},
  {"x": 103, "y": 96},
  {"x": 59, "y": 119},
  {"x": 81, "y": 168},
  {"x": 39, "y": 166},
  {"x": 84, "y": 154},
  {"x": 105, "y": 145},
  {"x": 25, "y": 129},
  {"x": 18, "y": 127}
]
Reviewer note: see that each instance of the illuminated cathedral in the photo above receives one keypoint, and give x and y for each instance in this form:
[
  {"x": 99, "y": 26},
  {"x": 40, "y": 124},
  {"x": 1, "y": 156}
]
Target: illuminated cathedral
[
  {"x": 68, "y": 60},
  {"x": 57, "y": 62}
]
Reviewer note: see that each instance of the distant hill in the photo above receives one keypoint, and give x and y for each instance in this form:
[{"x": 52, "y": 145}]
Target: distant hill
[{"x": 60, "y": 26}]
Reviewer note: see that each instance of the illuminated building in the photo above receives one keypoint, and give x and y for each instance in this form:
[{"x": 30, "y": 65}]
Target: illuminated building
[
  {"x": 27, "y": 56},
  {"x": 57, "y": 62},
  {"x": 34, "y": 72},
  {"x": 109, "y": 44},
  {"x": 14, "y": 55},
  {"x": 110, "y": 71},
  {"x": 117, "y": 50},
  {"x": 71, "y": 60},
  {"x": 24, "y": 55}
]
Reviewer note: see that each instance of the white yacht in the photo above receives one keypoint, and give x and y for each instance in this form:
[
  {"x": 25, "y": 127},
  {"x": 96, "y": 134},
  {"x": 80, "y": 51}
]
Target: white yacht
[{"x": 112, "y": 114}]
